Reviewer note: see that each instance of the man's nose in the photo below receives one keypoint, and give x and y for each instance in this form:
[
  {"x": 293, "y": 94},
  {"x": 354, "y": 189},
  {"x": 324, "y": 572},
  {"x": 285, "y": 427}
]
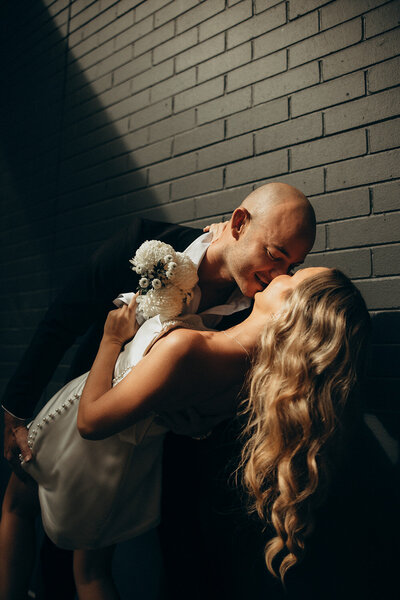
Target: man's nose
[{"x": 276, "y": 271}]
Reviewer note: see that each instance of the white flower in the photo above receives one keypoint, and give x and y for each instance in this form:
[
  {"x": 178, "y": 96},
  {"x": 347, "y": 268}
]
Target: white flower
[
  {"x": 144, "y": 282},
  {"x": 167, "y": 279}
]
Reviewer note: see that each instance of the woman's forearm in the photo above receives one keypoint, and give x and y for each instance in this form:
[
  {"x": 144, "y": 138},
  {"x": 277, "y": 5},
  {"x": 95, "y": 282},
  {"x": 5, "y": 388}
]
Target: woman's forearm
[{"x": 100, "y": 378}]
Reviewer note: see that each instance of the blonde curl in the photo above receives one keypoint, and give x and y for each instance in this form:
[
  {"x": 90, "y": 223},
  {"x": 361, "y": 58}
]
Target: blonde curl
[{"x": 302, "y": 401}]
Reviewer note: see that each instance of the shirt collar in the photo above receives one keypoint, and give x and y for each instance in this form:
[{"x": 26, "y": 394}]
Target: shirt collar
[
  {"x": 235, "y": 302},
  {"x": 212, "y": 316}
]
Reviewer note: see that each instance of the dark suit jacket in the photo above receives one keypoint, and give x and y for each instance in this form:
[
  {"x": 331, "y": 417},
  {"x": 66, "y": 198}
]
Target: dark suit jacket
[{"x": 82, "y": 305}]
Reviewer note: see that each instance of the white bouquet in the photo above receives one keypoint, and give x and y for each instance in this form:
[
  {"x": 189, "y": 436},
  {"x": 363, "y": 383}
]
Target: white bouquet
[{"x": 167, "y": 279}]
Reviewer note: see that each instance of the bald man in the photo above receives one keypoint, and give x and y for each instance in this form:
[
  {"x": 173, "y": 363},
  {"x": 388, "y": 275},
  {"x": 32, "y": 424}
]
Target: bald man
[{"x": 268, "y": 234}]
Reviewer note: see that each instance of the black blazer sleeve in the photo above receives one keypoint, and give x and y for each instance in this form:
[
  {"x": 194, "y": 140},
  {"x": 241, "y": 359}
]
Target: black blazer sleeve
[{"x": 86, "y": 299}]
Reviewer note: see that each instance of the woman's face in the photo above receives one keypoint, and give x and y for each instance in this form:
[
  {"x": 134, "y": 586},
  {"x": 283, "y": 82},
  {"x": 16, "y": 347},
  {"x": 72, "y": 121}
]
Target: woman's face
[{"x": 271, "y": 299}]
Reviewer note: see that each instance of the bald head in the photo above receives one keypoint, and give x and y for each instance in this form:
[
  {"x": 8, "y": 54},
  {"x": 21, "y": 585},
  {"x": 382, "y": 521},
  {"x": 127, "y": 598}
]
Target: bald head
[
  {"x": 268, "y": 235},
  {"x": 274, "y": 198}
]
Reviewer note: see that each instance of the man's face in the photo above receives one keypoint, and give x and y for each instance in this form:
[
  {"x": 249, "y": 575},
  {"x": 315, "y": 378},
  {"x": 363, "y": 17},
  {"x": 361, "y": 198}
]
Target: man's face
[{"x": 268, "y": 247}]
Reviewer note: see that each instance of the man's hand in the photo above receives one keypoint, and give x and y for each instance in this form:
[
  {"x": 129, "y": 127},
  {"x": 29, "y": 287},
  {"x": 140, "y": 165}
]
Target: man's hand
[
  {"x": 16, "y": 444},
  {"x": 216, "y": 229}
]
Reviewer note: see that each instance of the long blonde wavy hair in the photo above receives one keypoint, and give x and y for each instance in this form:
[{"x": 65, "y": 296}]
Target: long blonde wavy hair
[{"x": 302, "y": 400}]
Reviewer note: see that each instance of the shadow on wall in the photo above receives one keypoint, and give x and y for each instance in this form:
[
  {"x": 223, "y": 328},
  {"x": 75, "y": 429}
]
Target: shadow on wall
[
  {"x": 54, "y": 199},
  {"x": 59, "y": 201},
  {"x": 382, "y": 386}
]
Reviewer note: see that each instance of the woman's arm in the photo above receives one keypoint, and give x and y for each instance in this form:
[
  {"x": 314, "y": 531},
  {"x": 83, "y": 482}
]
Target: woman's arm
[{"x": 162, "y": 380}]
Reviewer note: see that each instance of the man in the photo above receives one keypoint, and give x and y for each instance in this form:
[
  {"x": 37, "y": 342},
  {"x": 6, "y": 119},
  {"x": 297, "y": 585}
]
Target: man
[{"x": 269, "y": 234}]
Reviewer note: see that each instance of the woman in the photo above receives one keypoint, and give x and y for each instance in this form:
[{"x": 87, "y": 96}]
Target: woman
[{"x": 182, "y": 364}]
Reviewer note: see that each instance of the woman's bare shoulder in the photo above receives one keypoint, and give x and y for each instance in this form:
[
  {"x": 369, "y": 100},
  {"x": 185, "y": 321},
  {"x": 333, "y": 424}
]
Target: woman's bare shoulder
[{"x": 183, "y": 342}]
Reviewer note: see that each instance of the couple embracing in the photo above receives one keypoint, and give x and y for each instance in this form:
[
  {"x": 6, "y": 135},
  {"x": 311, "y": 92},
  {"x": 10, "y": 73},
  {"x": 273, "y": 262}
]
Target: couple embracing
[{"x": 95, "y": 450}]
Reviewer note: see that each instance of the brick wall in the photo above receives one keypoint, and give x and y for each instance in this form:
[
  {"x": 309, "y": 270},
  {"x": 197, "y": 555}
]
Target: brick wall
[{"x": 176, "y": 110}]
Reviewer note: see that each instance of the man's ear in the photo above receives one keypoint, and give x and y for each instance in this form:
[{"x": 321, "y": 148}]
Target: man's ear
[{"x": 240, "y": 219}]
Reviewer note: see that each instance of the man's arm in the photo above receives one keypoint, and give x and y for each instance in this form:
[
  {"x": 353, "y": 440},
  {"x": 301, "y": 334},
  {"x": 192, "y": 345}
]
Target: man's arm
[{"x": 85, "y": 300}]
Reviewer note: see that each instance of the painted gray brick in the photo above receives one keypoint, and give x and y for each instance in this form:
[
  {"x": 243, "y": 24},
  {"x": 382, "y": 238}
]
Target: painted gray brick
[
  {"x": 327, "y": 94},
  {"x": 346, "y": 204},
  {"x": 173, "y": 85},
  {"x": 381, "y": 294},
  {"x": 360, "y": 112},
  {"x": 222, "y": 201},
  {"x": 310, "y": 182},
  {"x": 320, "y": 239},
  {"x": 225, "y": 152},
  {"x": 126, "y": 183},
  {"x": 342, "y": 10},
  {"x": 177, "y": 212},
  {"x": 361, "y": 55},
  {"x": 149, "y": 7},
  {"x": 386, "y": 196},
  {"x": 94, "y": 55},
  {"x": 200, "y": 52},
  {"x": 175, "y": 46},
  {"x": 126, "y": 5},
  {"x": 258, "y": 117},
  {"x": 172, "y": 10},
  {"x": 354, "y": 263},
  {"x": 300, "y": 7},
  {"x": 259, "y": 167},
  {"x": 327, "y": 150},
  {"x": 133, "y": 104},
  {"x": 95, "y": 25},
  {"x": 172, "y": 125},
  {"x": 365, "y": 231},
  {"x": 226, "y": 19},
  {"x": 153, "y": 75},
  {"x": 288, "y": 133},
  {"x": 287, "y": 35},
  {"x": 383, "y": 18},
  {"x": 285, "y": 83},
  {"x": 130, "y": 35},
  {"x": 156, "y": 37},
  {"x": 152, "y": 153},
  {"x": 200, "y": 183},
  {"x": 137, "y": 65},
  {"x": 173, "y": 168},
  {"x": 225, "y": 62},
  {"x": 258, "y": 25},
  {"x": 150, "y": 114},
  {"x": 226, "y": 105},
  {"x": 157, "y": 194},
  {"x": 199, "y": 137},
  {"x": 199, "y": 94},
  {"x": 117, "y": 93},
  {"x": 326, "y": 42},
  {"x": 84, "y": 16},
  {"x": 384, "y": 135},
  {"x": 198, "y": 14},
  {"x": 384, "y": 75},
  {"x": 386, "y": 260},
  {"x": 258, "y": 69},
  {"x": 360, "y": 171},
  {"x": 261, "y": 5}
]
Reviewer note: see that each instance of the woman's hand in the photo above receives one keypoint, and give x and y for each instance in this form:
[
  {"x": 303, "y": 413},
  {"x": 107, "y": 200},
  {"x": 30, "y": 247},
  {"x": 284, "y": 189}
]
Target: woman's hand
[
  {"x": 216, "y": 229},
  {"x": 121, "y": 324}
]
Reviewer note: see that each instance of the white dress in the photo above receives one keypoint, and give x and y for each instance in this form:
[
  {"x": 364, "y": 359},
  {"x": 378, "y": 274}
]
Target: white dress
[{"x": 96, "y": 493}]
